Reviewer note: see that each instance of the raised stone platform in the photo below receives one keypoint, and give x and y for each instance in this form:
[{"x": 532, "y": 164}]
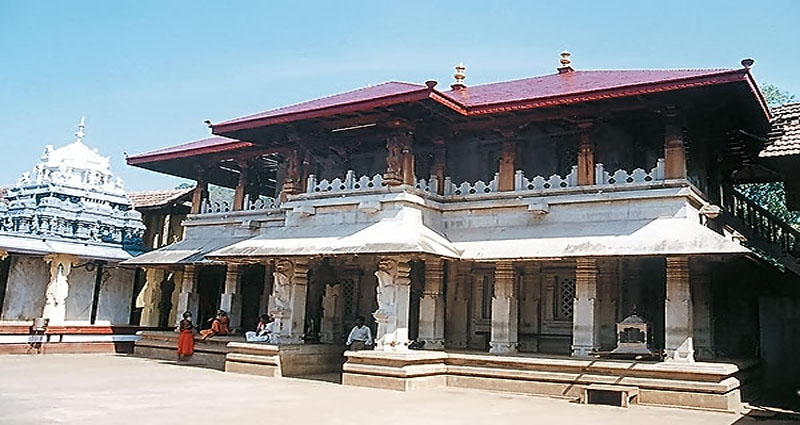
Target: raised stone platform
[
  {"x": 163, "y": 345},
  {"x": 15, "y": 338},
  {"x": 714, "y": 386},
  {"x": 286, "y": 360}
]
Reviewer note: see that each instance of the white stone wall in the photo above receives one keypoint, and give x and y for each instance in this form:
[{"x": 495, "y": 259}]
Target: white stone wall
[
  {"x": 79, "y": 298},
  {"x": 114, "y": 304},
  {"x": 27, "y": 280}
]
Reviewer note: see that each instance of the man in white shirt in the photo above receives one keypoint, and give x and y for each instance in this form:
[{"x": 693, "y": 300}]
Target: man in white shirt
[
  {"x": 360, "y": 337},
  {"x": 265, "y": 331}
]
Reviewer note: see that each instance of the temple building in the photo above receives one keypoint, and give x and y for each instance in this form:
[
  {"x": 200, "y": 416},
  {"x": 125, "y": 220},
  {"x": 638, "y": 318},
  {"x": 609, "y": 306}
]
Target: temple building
[
  {"x": 551, "y": 235},
  {"x": 64, "y": 229}
]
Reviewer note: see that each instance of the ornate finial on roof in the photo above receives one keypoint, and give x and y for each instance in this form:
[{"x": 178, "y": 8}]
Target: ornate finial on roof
[
  {"x": 748, "y": 62},
  {"x": 565, "y": 63},
  {"x": 460, "y": 75},
  {"x": 80, "y": 133}
]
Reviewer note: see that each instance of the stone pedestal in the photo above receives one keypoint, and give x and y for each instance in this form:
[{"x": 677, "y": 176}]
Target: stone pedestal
[
  {"x": 55, "y": 307},
  {"x": 288, "y": 300},
  {"x": 332, "y": 310},
  {"x": 678, "y": 329},
  {"x": 505, "y": 310},
  {"x": 393, "y": 296},
  {"x": 584, "y": 319},
  {"x": 188, "y": 299},
  {"x": 431, "y": 306},
  {"x": 231, "y": 299},
  {"x": 152, "y": 297}
]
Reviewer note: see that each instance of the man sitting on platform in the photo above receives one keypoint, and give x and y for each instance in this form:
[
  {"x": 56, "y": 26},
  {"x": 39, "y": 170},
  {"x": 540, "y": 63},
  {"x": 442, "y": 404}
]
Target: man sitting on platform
[
  {"x": 360, "y": 337},
  {"x": 265, "y": 330}
]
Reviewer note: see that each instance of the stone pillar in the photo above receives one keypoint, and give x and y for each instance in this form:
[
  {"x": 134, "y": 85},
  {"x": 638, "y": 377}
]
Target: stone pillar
[
  {"x": 263, "y": 303},
  {"x": 584, "y": 316},
  {"x": 288, "y": 299},
  {"x": 393, "y": 296},
  {"x": 152, "y": 297},
  {"x": 199, "y": 194},
  {"x": 231, "y": 299},
  {"x": 607, "y": 294},
  {"x": 332, "y": 315},
  {"x": 55, "y": 307},
  {"x": 585, "y": 154},
  {"x": 674, "y": 150},
  {"x": 458, "y": 296},
  {"x": 431, "y": 306},
  {"x": 702, "y": 311},
  {"x": 241, "y": 187},
  {"x": 188, "y": 297},
  {"x": 678, "y": 338},
  {"x": 507, "y": 166},
  {"x": 505, "y": 310}
]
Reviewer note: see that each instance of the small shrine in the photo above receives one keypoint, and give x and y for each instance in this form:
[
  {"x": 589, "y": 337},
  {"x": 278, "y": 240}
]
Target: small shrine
[{"x": 632, "y": 338}]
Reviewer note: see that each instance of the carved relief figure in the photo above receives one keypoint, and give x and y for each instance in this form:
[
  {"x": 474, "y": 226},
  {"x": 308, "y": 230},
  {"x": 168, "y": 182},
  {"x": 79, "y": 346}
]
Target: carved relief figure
[
  {"x": 281, "y": 289},
  {"x": 386, "y": 289}
]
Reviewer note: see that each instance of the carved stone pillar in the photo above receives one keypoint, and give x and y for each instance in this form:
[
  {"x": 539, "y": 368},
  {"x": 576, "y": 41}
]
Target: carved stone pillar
[
  {"x": 288, "y": 300},
  {"x": 152, "y": 297},
  {"x": 431, "y": 306},
  {"x": 393, "y": 296},
  {"x": 585, "y": 154},
  {"x": 231, "y": 299},
  {"x": 332, "y": 311},
  {"x": 678, "y": 332},
  {"x": 241, "y": 186},
  {"x": 55, "y": 307},
  {"x": 458, "y": 297},
  {"x": 439, "y": 166},
  {"x": 702, "y": 312},
  {"x": 507, "y": 166},
  {"x": 505, "y": 310},
  {"x": 188, "y": 297},
  {"x": 674, "y": 150},
  {"x": 584, "y": 317}
]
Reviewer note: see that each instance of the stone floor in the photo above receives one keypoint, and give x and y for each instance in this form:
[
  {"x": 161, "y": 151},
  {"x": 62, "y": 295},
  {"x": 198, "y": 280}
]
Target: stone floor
[{"x": 105, "y": 389}]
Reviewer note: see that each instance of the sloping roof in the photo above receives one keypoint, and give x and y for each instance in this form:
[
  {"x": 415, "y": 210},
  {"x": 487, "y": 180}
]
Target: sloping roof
[
  {"x": 28, "y": 244},
  {"x": 527, "y": 93},
  {"x": 157, "y": 198},
  {"x": 785, "y": 136},
  {"x": 198, "y": 147}
]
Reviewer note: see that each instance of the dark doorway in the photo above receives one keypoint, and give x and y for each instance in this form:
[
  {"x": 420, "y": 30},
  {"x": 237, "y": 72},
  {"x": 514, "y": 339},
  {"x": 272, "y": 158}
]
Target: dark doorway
[
  {"x": 252, "y": 287},
  {"x": 4, "y": 269},
  {"x": 417, "y": 277},
  {"x": 167, "y": 287},
  {"x": 210, "y": 283}
]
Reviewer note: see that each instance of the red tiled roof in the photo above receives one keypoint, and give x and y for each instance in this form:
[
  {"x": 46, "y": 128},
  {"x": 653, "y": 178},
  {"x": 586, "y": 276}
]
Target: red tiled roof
[
  {"x": 577, "y": 82},
  {"x": 390, "y": 92},
  {"x": 157, "y": 198},
  {"x": 197, "y": 147},
  {"x": 785, "y": 134}
]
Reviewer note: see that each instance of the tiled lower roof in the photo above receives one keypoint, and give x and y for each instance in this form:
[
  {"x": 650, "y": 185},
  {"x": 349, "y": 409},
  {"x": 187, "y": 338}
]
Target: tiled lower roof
[
  {"x": 785, "y": 135},
  {"x": 157, "y": 198}
]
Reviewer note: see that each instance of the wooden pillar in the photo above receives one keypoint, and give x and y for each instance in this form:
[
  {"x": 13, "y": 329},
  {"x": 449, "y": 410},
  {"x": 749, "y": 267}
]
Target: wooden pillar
[
  {"x": 288, "y": 299},
  {"x": 439, "y": 166},
  {"x": 678, "y": 329},
  {"x": 199, "y": 195},
  {"x": 399, "y": 160},
  {"x": 394, "y": 296},
  {"x": 507, "y": 166},
  {"x": 241, "y": 187},
  {"x": 505, "y": 310},
  {"x": 431, "y": 307},
  {"x": 292, "y": 183},
  {"x": 188, "y": 297},
  {"x": 674, "y": 149},
  {"x": 585, "y": 154},
  {"x": 585, "y": 331},
  {"x": 231, "y": 299}
]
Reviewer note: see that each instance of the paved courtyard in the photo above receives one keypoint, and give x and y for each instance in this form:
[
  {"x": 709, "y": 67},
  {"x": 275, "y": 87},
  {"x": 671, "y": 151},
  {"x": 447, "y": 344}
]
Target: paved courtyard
[{"x": 105, "y": 389}]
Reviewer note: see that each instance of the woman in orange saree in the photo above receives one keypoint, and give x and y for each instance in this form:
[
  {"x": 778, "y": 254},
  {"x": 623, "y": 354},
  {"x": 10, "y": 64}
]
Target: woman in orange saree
[
  {"x": 185, "y": 337},
  {"x": 218, "y": 327}
]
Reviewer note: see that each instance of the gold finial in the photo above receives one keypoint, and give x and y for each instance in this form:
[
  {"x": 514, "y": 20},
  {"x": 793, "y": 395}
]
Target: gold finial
[
  {"x": 460, "y": 75},
  {"x": 566, "y": 63}
]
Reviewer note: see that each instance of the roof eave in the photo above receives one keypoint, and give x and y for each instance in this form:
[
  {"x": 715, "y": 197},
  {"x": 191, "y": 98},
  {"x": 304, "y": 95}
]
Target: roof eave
[{"x": 147, "y": 158}]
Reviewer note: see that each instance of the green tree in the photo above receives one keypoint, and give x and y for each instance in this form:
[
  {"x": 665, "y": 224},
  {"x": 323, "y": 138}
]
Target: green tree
[{"x": 772, "y": 196}]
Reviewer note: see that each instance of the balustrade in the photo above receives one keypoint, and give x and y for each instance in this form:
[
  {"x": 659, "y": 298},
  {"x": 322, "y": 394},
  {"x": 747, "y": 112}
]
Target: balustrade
[{"x": 760, "y": 221}]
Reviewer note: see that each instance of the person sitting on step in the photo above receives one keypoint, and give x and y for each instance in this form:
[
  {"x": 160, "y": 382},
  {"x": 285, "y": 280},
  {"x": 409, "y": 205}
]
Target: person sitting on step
[
  {"x": 360, "y": 336},
  {"x": 219, "y": 326},
  {"x": 265, "y": 331}
]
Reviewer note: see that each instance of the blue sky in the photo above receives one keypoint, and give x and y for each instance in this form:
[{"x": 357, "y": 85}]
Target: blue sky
[{"x": 147, "y": 73}]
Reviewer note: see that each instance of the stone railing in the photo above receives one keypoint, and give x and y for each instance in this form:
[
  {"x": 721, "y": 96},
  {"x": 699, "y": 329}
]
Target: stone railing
[
  {"x": 348, "y": 184},
  {"x": 224, "y": 206},
  {"x": 540, "y": 183},
  {"x": 622, "y": 177},
  {"x": 468, "y": 188}
]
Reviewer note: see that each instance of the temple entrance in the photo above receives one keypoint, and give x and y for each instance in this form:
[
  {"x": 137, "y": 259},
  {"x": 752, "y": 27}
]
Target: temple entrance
[
  {"x": 210, "y": 284},
  {"x": 252, "y": 290}
]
